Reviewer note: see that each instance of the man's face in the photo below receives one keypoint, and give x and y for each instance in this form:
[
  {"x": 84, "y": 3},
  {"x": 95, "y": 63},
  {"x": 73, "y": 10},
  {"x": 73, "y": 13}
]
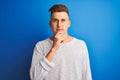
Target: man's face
[{"x": 60, "y": 22}]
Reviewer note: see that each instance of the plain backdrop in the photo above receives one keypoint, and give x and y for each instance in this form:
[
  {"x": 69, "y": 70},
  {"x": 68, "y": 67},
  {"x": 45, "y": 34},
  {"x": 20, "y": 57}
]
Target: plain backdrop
[{"x": 25, "y": 22}]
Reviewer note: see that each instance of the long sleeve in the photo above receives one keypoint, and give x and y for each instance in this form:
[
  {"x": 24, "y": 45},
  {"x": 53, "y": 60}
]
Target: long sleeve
[
  {"x": 70, "y": 62},
  {"x": 86, "y": 64},
  {"x": 40, "y": 66}
]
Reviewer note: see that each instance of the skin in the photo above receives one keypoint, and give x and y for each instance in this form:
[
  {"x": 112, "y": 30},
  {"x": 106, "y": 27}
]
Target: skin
[{"x": 59, "y": 24}]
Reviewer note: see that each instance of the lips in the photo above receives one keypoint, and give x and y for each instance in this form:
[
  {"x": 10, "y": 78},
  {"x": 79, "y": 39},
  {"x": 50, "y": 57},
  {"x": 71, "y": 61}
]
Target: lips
[{"x": 59, "y": 29}]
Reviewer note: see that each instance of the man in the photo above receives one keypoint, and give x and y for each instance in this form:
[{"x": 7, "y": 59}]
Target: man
[{"x": 61, "y": 57}]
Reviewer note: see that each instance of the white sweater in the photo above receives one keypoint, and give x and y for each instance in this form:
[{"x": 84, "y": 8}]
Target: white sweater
[{"x": 70, "y": 62}]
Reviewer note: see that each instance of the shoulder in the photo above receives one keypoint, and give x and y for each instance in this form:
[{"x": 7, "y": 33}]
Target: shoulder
[
  {"x": 43, "y": 42},
  {"x": 79, "y": 41}
]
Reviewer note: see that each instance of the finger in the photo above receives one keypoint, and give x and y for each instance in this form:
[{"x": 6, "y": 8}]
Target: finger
[
  {"x": 58, "y": 35},
  {"x": 61, "y": 38}
]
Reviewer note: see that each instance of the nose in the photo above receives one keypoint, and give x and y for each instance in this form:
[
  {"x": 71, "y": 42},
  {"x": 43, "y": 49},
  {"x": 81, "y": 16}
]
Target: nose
[{"x": 59, "y": 24}]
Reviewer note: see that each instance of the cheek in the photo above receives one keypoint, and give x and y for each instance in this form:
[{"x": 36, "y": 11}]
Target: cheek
[
  {"x": 66, "y": 26},
  {"x": 52, "y": 26}
]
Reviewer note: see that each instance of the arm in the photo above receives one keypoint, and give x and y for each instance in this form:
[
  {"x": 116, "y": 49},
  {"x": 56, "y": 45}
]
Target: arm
[
  {"x": 86, "y": 64},
  {"x": 57, "y": 39},
  {"x": 42, "y": 64}
]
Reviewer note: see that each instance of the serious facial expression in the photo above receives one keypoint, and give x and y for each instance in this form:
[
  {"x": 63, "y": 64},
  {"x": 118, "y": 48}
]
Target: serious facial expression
[{"x": 60, "y": 22}]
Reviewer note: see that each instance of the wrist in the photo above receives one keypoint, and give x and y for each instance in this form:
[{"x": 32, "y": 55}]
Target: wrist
[{"x": 53, "y": 49}]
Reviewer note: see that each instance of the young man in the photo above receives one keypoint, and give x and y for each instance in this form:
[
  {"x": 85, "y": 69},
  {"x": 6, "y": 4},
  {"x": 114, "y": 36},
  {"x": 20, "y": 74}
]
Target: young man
[{"x": 61, "y": 57}]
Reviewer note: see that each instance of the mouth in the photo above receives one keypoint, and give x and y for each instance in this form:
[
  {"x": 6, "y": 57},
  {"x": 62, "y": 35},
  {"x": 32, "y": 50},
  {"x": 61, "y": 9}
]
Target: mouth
[{"x": 59, "y": 29}]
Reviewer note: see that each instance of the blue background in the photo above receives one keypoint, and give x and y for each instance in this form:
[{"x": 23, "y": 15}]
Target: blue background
[{"x": 24, "y": 22}]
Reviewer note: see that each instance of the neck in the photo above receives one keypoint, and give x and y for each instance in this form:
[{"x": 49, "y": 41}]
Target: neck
[{"x": 67, "y": 39}]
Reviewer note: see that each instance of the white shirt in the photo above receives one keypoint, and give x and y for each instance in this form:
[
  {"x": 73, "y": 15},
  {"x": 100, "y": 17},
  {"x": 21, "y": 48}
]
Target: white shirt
[{"x": 70, "y": 62}]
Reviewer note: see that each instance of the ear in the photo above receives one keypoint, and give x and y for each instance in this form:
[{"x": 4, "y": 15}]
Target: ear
[{"x": 69, "y": 23}]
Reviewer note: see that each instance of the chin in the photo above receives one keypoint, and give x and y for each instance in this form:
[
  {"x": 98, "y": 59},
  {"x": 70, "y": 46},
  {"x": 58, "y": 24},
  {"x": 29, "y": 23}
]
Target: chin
[{"x": 59, "y": 31}]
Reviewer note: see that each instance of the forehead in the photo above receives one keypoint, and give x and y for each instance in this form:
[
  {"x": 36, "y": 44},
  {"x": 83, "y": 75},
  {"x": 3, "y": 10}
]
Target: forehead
[{"x": 60, "y": 15}]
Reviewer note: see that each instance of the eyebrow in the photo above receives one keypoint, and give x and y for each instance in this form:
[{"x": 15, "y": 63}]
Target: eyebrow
[{"x": 58, "y": 19}]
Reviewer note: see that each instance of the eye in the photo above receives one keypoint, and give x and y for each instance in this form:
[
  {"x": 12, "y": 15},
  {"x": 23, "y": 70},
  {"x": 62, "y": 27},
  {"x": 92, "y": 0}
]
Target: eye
[
  {"x": 54, "y": 20},
  {"x": 63, "y": 20}
]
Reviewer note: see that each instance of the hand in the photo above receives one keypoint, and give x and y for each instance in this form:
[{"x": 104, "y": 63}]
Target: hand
[{"x": 58, "y": 38}]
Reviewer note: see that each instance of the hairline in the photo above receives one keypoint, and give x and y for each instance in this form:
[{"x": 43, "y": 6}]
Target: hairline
[{"x": 59, "y": 12}]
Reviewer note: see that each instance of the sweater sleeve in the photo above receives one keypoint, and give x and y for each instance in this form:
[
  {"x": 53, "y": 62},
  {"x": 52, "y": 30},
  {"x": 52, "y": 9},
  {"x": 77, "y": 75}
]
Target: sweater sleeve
[
  {"x": 40, "y": 66},
  {"x": 86, "y": 64}
]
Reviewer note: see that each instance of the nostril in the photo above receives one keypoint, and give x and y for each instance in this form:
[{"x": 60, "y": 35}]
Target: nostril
[{"x": 58, "y": 26}]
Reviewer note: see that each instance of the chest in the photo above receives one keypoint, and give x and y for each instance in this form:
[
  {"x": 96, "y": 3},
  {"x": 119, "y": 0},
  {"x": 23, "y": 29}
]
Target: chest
[{"x": 67, "y": 56}]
